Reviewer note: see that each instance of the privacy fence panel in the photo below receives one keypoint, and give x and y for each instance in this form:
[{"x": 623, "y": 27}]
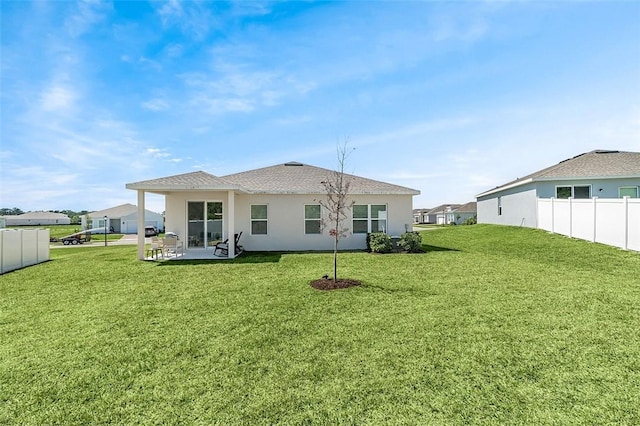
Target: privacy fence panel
[
  {"x": 23, "y": 247},
  {"x": 612, "y": 221}
]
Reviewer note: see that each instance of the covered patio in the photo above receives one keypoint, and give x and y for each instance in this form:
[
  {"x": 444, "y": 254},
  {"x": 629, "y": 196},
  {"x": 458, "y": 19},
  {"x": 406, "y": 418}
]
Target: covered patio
[{"x": 199, "y": 210}]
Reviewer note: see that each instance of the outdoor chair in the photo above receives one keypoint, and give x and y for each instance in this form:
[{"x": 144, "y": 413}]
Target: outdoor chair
[
  {"x": 172, "y": 246},
  {"x": 223, "y": 247},
  {"x": 156, "y": 248}
]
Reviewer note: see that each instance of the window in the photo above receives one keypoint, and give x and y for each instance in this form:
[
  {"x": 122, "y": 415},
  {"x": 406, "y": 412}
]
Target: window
[
  {"x": 369, "y": 218},
  {"x": 499, "y": 206},
  {"x": 576, "y": 191},
  {"x": 312, "y": 219},
  {"x": 628, "y": 191},
  {"x": 204, "y": 223},
  {"x": 582, "y": 191},
  {"x": 563, "y": 191},
  {"x": 259, "y": 219}
]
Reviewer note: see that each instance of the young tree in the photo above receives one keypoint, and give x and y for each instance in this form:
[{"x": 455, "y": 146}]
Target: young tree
[{"x": 337, "y": 204}]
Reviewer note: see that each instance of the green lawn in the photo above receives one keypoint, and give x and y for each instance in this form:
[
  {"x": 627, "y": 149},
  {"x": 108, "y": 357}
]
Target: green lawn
[{"x": 492, "y": 325}]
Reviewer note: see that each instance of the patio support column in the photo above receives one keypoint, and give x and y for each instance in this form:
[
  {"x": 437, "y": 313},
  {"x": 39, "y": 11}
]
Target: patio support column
[
  {"x": 231, "y": 214},
  {"x": 140, "y": 224}
]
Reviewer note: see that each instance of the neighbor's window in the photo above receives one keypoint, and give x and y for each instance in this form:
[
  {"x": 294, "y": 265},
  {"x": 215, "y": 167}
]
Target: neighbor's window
[
  {"x": 628, "y": 191},
  {"x": 576, "y": 191},
  {"x": 499, "y": 206},
  {"x": 563, "y": 192},
  {"x": 369, "y": 218},
  {"x": 583, "y": 191},
  {"x": 259, "y": 219},
  {"x": 312, "y": 219}
]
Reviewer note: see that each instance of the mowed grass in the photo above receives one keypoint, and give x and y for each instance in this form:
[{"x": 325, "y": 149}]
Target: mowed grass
[{"x": 492, "y": 325}]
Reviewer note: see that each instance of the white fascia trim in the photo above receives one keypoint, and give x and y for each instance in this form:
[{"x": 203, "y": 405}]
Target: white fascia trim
[{"x": 502, "y": 188}]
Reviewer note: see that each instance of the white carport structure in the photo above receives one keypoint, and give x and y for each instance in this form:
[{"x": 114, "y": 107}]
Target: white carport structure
[{"x": 182, "y": 190}]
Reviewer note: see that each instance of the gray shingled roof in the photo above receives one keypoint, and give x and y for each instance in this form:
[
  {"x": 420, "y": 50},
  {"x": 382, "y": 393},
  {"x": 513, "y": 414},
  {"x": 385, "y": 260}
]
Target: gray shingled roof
[
  {"x": 470, "y": 207},
  {"x": 117, "y": 211},
  {"x": 289, "y": 178},
  {"x": 298, "y": 178},
  {"x": 598, "y": 163},
  {"x": 193, "y": 180},
  {"x": 443, "y": 208},
  {"x": 594, "y": 164}
]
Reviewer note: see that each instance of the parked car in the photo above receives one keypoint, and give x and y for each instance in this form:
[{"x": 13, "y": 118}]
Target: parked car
[{"x": 150, "y": 231}]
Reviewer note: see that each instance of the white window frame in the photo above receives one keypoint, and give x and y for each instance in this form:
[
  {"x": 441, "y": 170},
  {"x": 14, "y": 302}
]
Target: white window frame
[
  {"x": 319, "y": 219},
  {"x": 251, "y": 219},
  {"x": 573, "y": 191},
  {"x": 370, "y": 219},
  {"x": 637, "y": 188}
]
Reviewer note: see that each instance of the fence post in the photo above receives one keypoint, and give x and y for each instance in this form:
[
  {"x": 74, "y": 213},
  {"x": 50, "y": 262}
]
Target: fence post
[
  {"x": 570, "y": 217},
  {"x": 595, "y": 227},
  {"x": 553, "y": 216},
  {"x": 625, "y": 205}
]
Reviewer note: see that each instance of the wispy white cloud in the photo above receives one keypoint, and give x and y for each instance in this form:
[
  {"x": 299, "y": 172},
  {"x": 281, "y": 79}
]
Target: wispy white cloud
[
  {"x": 156, "y": 104},
  {"x": 85, "y": 14},
  {"x": 192, "y": 18},
  {"x": 56, "y": 98}
]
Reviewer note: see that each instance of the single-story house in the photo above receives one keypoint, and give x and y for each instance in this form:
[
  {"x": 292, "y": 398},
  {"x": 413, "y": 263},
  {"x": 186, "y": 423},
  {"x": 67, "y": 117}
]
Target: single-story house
[
  {"x": 421, "y": 215},
  {"x": 439, "y": 215},
  {"x": 122, "y": 219},
  {"x": 598, "y": 173},
  {"x": 276, "y": 208},
  {"x": 37, "y": 219},
  {"x": 462, "y": 213}
]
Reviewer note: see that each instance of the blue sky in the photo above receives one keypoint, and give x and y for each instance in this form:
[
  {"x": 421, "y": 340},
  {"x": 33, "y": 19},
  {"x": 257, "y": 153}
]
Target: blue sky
[{"x": 451, "y": 98}]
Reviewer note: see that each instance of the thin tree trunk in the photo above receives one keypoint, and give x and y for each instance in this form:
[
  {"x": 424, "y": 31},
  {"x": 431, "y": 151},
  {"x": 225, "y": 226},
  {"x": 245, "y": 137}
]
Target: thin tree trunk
[{"x": 335, "y": 261}]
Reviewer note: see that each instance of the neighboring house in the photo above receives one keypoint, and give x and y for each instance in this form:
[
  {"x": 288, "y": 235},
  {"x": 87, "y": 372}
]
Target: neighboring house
[
  {"x": 276, "y": 208},
  {"x": 445, "y": 214},
  {"x": 599, "y": 173},
  {"x": 421, "y": 215},
  {"x": 462, "y": 213},
  {"x": 440, "y": 214},
  {"x": 37, "y": 219},
  {"x": 122, "y": 219}
]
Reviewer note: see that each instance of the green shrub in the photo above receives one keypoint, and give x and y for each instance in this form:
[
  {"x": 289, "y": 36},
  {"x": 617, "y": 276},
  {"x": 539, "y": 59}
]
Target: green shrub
[
  {"x": 470, "y": 221},
  {"x": 380, "y": 242},
  {"x": 411, "y": 242}
]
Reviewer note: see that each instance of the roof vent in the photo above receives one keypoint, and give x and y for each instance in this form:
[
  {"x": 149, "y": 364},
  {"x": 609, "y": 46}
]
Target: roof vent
[
  {"x": 293, "y": 164},
  {"x": 605, "y": 151}
]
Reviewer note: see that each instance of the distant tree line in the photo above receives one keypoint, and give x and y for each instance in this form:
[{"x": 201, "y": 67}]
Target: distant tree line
[{"x": 73, "y": 216}]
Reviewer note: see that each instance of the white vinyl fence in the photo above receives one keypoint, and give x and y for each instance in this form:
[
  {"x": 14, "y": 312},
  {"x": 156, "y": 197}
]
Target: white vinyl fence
[
  {"x": 23, "y": 247},
  {"x": 611, "y": 221}
]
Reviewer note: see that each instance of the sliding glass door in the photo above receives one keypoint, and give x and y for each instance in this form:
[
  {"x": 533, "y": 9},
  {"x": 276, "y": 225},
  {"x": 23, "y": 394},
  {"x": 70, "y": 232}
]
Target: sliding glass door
[{"x": 204, "y": 223}]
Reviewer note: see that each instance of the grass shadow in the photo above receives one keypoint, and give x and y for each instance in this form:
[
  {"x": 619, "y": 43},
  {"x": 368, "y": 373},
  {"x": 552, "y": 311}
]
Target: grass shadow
[
  {"x": 427, "y": 248},
  {"x": 246, "y": 257}
]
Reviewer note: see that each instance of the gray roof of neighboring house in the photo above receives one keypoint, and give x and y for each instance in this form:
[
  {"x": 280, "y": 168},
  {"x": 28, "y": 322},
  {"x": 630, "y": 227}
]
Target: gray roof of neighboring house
[
  {"x": 288, "y": 178},
  {"x": 600, "y": 164},
  {"x": 118, "y": 211},
  {"x": 471, "y": 207},
  {"x": 38, "y": 215},
  {"x": 444, "y": 208}
]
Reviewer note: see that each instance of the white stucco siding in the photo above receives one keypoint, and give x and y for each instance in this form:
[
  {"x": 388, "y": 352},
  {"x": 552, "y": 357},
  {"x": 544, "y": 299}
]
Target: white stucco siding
[
  {"x": 285, "y": 221},
  {"x": 518, "y": 207}
]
